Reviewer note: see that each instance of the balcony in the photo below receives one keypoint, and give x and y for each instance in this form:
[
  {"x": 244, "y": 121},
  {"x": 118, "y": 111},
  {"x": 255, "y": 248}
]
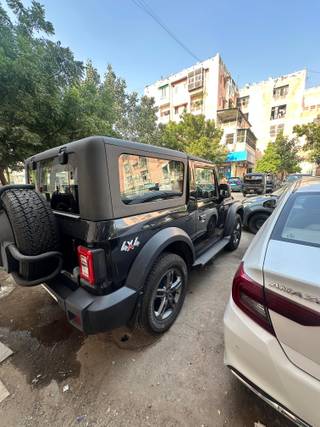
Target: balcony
[
  {"x": 232, "y": 116},
  {"x": 248, "y": 137}
]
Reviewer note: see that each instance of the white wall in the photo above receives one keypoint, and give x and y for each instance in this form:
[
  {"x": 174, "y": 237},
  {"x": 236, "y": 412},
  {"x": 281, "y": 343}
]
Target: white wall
[{"x": 181, "y": 95}]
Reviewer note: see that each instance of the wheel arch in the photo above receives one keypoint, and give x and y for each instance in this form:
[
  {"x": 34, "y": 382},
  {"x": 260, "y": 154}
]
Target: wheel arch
[
  {"x": 234, "y": 209},
  {"x": 256, "y": 212},
  {"x": 171, "y": 239}
]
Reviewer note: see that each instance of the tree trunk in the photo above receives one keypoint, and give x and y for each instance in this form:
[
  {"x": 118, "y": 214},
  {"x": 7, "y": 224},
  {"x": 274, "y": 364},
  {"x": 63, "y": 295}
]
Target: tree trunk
[
  {"x": 8, "y": 175},
  {"x": 3, "y": 178}
]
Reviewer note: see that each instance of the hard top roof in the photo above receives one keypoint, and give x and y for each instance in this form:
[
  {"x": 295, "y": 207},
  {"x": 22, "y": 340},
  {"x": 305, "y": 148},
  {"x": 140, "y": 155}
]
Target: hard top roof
[{"x": 73, "y": 146}]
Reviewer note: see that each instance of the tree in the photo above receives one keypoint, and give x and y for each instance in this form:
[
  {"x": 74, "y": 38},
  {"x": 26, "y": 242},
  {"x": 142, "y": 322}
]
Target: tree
[
  {"x": 270, "y": 161},
  {"x": 34, "y": 72},
  {"x": 47, "y": 98},
  {"x": 195, "y": 135},
  {"x": 311, "y": 132},
  {"x": 280, "y": 157},
  {"x": 135, "y": 118}
]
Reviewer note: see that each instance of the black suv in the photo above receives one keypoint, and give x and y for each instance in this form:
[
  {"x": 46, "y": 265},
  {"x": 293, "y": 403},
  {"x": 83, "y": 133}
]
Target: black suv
[{"x": 111, "y": 229}]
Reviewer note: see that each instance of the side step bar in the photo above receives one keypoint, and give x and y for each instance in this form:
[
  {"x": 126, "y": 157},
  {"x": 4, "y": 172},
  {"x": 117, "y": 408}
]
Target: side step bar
[{"x": 211, "y": 252}]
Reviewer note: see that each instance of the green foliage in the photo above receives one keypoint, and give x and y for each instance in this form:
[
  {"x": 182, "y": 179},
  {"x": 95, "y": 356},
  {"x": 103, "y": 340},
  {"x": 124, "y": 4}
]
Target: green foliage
[
  {"x": 280, "y": 157},
  {"x": 48, "y": 98},
  {"x": 195, "y": 135},
  {"x": 270, "y": 161},
  {"x": 34, "y": 72},
  {"x": 311, "y": 132}
]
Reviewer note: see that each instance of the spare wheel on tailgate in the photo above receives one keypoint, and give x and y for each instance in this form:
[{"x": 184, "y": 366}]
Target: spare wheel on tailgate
[{"x": 32, "y": 220}]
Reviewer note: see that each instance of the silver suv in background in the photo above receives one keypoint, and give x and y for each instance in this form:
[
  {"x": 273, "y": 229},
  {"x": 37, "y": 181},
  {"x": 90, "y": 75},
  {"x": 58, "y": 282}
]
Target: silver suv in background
[{"x": 272, "y": 320}]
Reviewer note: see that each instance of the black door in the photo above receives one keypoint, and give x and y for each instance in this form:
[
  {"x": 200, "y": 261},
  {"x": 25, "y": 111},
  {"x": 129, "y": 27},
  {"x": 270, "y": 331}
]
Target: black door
[{"x": 207, "y": 216}]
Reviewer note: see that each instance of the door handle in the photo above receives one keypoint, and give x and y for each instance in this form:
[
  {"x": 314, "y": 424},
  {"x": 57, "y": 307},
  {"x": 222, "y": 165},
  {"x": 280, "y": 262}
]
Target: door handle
[{"x": 202, "y": 217}]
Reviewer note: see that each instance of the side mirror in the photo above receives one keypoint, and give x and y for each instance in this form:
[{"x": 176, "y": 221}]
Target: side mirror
[
  {"x": 270, "y": 203},
  {"x": 224, "y": 191}
]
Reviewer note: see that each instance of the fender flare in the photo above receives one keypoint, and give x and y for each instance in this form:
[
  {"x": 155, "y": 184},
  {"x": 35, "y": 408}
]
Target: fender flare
[
  {"x": 258, "y": 211},
  {"x": 234, "y": 209},
  {"x": 150, "y": 252}
]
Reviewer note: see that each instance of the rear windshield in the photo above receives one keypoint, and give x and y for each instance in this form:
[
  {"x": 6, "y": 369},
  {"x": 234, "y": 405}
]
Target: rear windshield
[
  {"x": 57, "y": 183},
  {"x": 299, "y": 221},
  {"x": 254, "y": 179}
]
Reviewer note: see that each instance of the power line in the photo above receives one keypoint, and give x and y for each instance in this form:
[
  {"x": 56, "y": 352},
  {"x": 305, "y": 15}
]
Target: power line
[{"x": 146, "y": 8}]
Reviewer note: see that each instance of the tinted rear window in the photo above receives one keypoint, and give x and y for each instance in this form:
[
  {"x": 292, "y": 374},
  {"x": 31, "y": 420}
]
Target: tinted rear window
[
  {"x": 57, "y": 183},
  {"x": 254, "y": 179},
  {"x": 299, "y": 221}
]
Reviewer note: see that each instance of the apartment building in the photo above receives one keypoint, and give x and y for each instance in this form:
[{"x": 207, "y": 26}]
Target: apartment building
[
  {"x": 239, "y": 141},
  {"x": 207, "y": 88},
  {"x": 203, "y": 88},
  {"x": 277, "y": 105}
]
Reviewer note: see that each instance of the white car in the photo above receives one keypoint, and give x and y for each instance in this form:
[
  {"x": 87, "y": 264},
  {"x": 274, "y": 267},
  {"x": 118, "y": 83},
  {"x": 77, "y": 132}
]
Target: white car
[{"x": 272, "y": 320}]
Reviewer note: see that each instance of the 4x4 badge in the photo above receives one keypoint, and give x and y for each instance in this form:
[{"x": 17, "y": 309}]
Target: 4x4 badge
[{"x": 129, "y": 245}]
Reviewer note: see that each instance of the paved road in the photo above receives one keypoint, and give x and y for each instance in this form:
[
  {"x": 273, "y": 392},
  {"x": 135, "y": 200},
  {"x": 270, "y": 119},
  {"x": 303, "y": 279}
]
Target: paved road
[{"x": 124, "y": 378}]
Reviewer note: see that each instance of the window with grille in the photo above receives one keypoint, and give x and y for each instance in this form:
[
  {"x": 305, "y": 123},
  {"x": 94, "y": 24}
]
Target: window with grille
[
  {"x": 275, "y": 130},
  {"x": 243, "y": 102},
  {"x": 278, "y": 112},
  {"x": 163, "y": 91},
  {"x": 229, "y": 138},
  {"x": 195, "y": 79},
  {"x": 281, "y": 91}
]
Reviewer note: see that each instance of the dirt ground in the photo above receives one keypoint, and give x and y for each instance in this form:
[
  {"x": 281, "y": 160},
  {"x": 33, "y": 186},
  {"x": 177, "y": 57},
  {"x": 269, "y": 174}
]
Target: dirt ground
[{"x": 124, "y": 378}]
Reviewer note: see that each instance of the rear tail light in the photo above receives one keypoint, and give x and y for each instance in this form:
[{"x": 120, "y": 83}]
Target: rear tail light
[
  {"x": 86, "y": 265},
  {"x": 248, "y": 295}
]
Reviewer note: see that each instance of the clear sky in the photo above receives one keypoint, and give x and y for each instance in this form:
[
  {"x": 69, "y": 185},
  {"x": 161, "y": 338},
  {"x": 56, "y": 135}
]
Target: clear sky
[{"x": 256, "y": 39}]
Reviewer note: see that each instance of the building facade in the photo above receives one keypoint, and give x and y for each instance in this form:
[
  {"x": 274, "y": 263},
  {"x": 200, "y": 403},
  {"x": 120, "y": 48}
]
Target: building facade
[
  {"x": 203, "y": 88},
  {"x": 239, "y": 141},
  {"x": 207, "y": 88},
  {"x": 277, "y": 105}
]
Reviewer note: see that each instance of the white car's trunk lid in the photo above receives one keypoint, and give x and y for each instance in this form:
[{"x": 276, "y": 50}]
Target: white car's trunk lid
[{"x": 292, "y": 290}]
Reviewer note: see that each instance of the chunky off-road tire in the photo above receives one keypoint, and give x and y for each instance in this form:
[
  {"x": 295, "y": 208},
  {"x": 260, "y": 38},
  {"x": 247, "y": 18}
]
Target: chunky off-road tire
[
  {"x": 256, "y": 221},
  {"x": 156, "y": 285},
  {"x": 235, "y": 234},
  {"x": 33, "y": 223}
]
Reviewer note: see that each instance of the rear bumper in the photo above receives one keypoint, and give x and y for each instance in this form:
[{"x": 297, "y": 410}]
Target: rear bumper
[
  {"x": 93, "y": 313},
  {"x": 258, "y": 359},
  {"x": 253, "y": 190}
]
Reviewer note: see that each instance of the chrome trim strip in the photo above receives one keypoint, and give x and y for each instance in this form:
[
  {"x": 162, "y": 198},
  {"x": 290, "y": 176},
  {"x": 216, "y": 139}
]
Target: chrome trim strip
[
  {"x": 50, "y": 293},
  {"x": 269, "y": 400},
  {"x": 66, "y": 214}
]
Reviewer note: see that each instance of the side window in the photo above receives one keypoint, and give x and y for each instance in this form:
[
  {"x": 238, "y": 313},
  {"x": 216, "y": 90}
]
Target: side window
[
  {"x": 205, "y": 183},
  {"x": 147, "y": 179}
]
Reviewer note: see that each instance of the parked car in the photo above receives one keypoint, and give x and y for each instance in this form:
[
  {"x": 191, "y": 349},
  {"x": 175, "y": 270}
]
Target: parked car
[
  {"x": 294, "y": 177},
  {"x": 235, "y": 184},
  {"x": 272, "y": 183},
  {"x": 258, "y": 209},
  {"x": 254, "y": 183},
  {"x": 272, "y": 320},
  {"x": 112, "y": 229}
]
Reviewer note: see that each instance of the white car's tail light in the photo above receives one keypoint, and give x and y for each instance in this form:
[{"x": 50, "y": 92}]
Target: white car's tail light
[
  {"x": 248, "y": 295},
  {"x": 255, "y": 301}
]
